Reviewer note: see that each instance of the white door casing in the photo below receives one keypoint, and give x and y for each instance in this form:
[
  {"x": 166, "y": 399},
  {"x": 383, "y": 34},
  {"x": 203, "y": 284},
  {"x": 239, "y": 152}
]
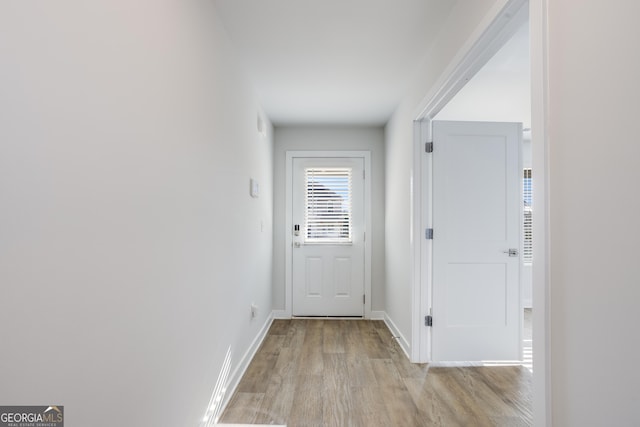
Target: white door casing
[
  {"x": 476, "y": 219},
  {"x": 328, "y": 252}
]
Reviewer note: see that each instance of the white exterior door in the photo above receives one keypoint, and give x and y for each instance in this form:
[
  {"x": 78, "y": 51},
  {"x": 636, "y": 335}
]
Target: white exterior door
[
  {"x": 476, "y": 240},
  {"x": 328, "y": 237}
]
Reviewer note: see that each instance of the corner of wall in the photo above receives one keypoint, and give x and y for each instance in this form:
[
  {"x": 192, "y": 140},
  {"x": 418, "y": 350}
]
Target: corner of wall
[{"x": 398, "y": 336}]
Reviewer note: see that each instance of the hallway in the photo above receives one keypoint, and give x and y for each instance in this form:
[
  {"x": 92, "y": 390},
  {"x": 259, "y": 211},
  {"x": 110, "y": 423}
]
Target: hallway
[{"x": 143, "y": 241}]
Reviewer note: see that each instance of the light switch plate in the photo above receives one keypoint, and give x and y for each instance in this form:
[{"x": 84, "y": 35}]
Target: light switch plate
[{"x": 254, "y": 188}]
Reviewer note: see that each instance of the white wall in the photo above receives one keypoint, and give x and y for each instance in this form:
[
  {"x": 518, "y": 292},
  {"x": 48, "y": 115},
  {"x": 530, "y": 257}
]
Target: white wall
[
  {"x": 501, "y": 90},
  {"x": 354, "y": 138},
  {"x": 464, "y": 19},
  {"x": 130, "y": 250},
  {"x": 595, "y": 274}
]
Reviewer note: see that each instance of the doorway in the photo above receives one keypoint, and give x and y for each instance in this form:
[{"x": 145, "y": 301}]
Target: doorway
[
  {"x": 500, "y": 91},
  {"x": 475, "y": 54},
  {"x": 328, "y": 211},
  {"x": 328, "y": 236},
  {"x": 507, "y": 24}
]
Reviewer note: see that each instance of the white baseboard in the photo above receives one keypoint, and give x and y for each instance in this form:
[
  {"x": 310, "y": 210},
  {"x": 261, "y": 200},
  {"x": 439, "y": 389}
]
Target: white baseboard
[
  {"x": 250, "y": 425},
  {"x": 280, "y": 314},
  {"x": 237, "y": 374},
  {"x": 377, "y": 315},
  {"x": 404, "y": 344}
]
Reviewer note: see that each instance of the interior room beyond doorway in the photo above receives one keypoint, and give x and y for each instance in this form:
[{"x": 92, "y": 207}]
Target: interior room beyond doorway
[{"x": 500, "y": 91}]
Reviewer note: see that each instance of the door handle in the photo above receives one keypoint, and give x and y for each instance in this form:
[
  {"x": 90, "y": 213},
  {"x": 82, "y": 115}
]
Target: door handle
[
  {"x": 511, "y": 252},
  {"x": 296, "y": 244}
]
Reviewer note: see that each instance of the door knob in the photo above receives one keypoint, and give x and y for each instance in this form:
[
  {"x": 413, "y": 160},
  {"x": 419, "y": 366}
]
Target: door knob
[{"x": 511, "y": 252}]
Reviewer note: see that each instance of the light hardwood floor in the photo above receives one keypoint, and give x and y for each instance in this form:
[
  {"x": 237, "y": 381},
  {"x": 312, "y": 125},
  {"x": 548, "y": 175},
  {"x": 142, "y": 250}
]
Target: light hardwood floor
[{"x": 353, "y": 373}]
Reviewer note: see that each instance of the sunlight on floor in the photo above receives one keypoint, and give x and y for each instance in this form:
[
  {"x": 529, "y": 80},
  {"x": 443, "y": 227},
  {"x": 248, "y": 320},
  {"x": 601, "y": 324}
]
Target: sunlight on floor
[
  {"x": 527, "y": 340},
  {"x": 527, "y": 349},
  {"x": 214, "y": 408},
  {"x": 527, "y": 354}
]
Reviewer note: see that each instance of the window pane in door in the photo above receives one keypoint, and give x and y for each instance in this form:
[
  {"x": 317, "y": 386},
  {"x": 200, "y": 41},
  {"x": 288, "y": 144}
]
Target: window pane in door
[
  {"x": 528, "y": 224},
  {"x": 328, "y": 205}
]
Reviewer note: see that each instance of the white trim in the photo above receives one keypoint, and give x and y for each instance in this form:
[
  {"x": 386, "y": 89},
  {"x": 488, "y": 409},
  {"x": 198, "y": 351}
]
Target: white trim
[
  {"x": 475, "y": 364},
  {"x": 421, "y": 220},
  {"x": 488, "y": 37},
  {"x": 416, "y": 239},
  {"x": 397, "y": 335},
  {"x": 498, "y": 26},
  {"x": 250, "y": 425},
  {"x": 329, "y": 318},
  {"x": 377, "y": 315},
  {"x": 280, "y": 314},
  {"x": 290, "y": 155},
  {"x": 541, "y": 250},
  {"x": 243, "y": 364},
  {"x": 426, "y": 248}
]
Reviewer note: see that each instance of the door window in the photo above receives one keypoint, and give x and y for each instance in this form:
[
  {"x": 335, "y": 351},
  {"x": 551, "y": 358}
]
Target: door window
[
  {"x": 327, "y": 213},
  {"x": 527, "y": 252}
]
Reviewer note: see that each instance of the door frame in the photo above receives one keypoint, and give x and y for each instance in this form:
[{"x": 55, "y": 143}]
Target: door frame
[
  {"x": 288, "y": 227},
  {"x": 497, "y": 27}
]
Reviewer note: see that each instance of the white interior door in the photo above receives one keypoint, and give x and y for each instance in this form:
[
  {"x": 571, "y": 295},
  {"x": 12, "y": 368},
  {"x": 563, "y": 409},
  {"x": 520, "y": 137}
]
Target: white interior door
[
  {"x": 328, "y": 237},
  {"x": 476, "y": 240}
]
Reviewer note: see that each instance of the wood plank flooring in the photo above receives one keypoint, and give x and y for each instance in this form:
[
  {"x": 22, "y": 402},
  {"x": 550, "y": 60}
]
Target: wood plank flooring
[{"x": 353, "y": 373}]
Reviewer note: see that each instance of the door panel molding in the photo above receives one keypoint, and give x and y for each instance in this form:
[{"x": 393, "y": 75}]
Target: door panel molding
[{"x": 290, "y": 155}]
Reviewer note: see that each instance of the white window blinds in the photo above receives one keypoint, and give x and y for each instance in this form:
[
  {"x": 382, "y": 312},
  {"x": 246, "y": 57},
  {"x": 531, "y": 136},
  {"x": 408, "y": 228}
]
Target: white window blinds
[
  {"x": 327, "y": 213},
  {"x": 528, "y": 224}
]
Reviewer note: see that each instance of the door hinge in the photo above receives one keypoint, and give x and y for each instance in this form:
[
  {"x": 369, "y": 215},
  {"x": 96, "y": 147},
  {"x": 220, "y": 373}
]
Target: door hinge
[
  {"x": 363, "y": 174},
  {"x": 428, "y": 320},
  {"x": 364, "y": 298},
  {"x": 428, "y": 234},
  {"x": 428, "y": 147}
]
